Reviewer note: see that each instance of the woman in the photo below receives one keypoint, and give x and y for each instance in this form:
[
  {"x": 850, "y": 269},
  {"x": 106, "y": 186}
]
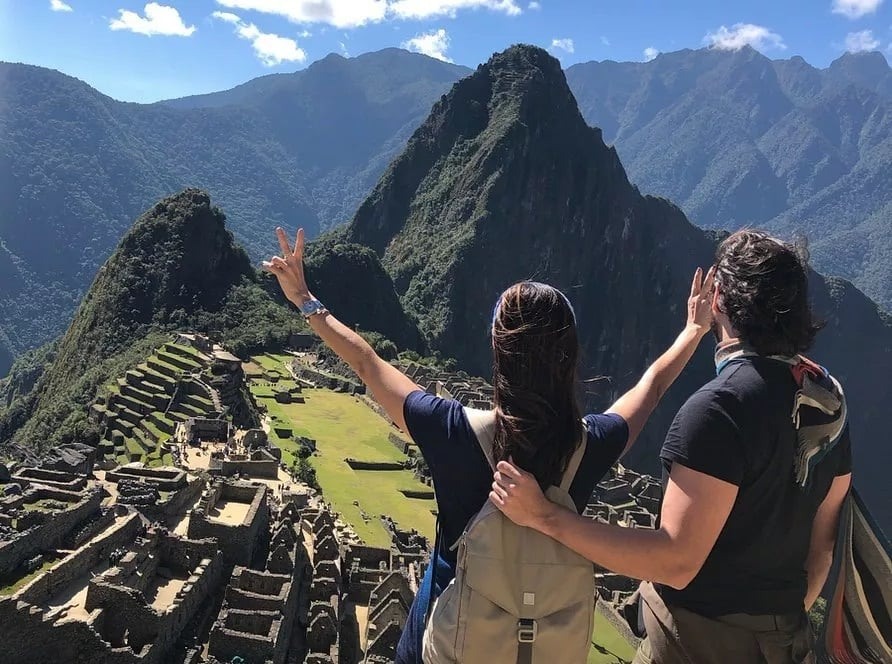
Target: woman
[{"x": 535, "y": 352}]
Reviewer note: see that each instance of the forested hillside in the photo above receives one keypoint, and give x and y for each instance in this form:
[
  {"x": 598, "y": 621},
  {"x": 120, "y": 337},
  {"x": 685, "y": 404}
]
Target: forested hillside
[
  {"x": 737, "y": 139},
  {"x": 76, "y": 167}
]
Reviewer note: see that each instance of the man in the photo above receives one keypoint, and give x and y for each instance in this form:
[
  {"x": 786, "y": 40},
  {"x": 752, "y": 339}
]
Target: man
[{"x": 752, "y": 496}]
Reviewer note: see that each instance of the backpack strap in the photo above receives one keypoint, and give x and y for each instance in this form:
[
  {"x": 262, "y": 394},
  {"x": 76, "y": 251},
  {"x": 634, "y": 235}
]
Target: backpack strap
[
  {"x": 483, "y": 424},
  {"x": 575, "y": 460}
]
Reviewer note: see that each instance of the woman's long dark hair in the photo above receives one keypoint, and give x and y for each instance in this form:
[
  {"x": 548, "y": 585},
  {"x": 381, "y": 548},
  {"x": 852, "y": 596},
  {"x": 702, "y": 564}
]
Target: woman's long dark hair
[{"x": 535, "y": 350}]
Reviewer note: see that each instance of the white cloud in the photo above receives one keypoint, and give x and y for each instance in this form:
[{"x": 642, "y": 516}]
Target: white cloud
[
  {"x": 855, "y": 8},
  {"x": 650, "y": 53},
  {"x": 355, "y": 13},
  {"x": 226, "y": 16},
  {"x": 856, "y": 42},
  {"x": 339, "y": 13},
  {"x": 533, "y": 6},
  {"x": 270, "y": 49},
  {"x": 563, "y": 45},
  {"x": 742, "y": 34},
  {"x": 434, "y": 44},
  {"x": 158, "y": 20},
  {"x": 344, "y": 50},
  {"x": 605, "y": 41},
  {"x": 428, "y": 8},
  {"x": 305, "y": 34},
  {"x": 59, "y": 6}
]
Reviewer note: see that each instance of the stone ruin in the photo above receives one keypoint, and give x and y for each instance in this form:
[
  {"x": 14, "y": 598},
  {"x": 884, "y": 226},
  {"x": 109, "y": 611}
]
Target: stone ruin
[
  {"x": 233, "y": 513},
  {"x": 262, "y": 609},
  {"x": 470, "y": 391}
]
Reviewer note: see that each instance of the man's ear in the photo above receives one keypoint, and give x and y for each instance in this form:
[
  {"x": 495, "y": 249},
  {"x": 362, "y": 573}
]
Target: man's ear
[{"x": 716, "y": 301}]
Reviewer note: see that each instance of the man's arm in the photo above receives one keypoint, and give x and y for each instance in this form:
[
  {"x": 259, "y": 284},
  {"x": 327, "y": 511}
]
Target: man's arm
[
  {"x": 823, "y": 537},
  {"x": 695, "y": 509},
  {"x": 388, "y": 384},
  {"x": 636, "y": 405}
]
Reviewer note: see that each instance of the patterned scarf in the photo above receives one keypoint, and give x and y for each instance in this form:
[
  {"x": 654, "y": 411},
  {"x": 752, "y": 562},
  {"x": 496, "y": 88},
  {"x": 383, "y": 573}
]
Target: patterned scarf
[{"x": 819, "y": 407}]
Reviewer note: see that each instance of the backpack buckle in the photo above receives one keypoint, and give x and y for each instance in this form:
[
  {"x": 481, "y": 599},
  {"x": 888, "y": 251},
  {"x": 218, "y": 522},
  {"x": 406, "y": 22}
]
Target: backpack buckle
[{"x": 527, "y": 630}]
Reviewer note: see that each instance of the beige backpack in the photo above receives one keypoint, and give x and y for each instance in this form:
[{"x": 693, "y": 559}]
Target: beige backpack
[{"x": 518, "y": 596}]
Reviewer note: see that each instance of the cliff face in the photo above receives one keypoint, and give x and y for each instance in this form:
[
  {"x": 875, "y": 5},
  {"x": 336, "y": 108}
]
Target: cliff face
[{"x": 505, "y": 181}]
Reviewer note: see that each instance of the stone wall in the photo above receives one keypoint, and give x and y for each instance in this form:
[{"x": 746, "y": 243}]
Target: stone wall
[
  {"x": 164, "y": 479},
  {"x": 48, "y": 535},
  {"x": 252, "y": 635},
  {"x": 399, "y": 443},
  {"x": 237, "y": 542},
  {"x": 62, "y": 480},
  {"x": 177, "y": 503},
  {"x": 268, "y": 468},
  {"x": 150, "y": 632},
  {"x": 356, "y": 464},
  {"x": 23, "y": 625}
]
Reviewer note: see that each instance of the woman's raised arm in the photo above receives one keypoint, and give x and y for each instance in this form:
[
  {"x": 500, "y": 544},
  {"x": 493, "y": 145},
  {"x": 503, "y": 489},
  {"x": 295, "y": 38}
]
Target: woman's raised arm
[
  {"x": 636, "y": 405},
  {"x": 388, "y": 384}
]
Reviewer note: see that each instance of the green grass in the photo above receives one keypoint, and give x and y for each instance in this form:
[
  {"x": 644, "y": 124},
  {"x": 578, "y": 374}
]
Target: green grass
[
  {"x": 42, "y": 505},
  {"x": 133, "y": 447},
  {"x": 611, "y": 648},
  {"x": 344, "y": 427},
  {"x": 159, "y": 435},
  {"x": 273, "y": 362},
  {"x": 15, "y": 586},
  {"x": 188, "y": 349}
]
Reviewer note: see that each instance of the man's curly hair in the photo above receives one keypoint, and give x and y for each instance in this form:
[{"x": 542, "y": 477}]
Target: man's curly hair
[{"x": 763, "y": 287}]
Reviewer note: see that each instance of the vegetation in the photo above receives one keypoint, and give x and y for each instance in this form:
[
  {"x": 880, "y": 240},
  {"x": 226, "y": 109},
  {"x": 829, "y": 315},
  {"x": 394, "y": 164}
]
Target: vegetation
[
  {"x": 342, "y": 427},
  {"x": 178, "y": 268},
  {"x": 303, "y": 470},
  {"x": 301, "y": 149},
  {"x": 14, "y": 586},
  {"x": 608, "y": 645},
  {"x": 744, "y": 140}
]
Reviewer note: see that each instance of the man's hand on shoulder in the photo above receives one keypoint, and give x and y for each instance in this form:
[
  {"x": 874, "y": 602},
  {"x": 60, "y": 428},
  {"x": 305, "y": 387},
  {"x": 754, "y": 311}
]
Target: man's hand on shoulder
[{"x": 518, "y": 496}]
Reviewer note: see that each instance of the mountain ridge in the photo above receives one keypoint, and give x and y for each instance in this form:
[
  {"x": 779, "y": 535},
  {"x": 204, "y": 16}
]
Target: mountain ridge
[
  {"x": 76, "y": 167},
  {"x": 281, "y": 158},
  {"x": 738, "y": 139},
  {"x": 505, "y": 181}
]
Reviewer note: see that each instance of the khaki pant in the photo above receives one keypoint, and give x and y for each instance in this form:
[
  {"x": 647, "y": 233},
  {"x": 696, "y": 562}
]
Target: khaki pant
[{"x": 679, "y": 636}]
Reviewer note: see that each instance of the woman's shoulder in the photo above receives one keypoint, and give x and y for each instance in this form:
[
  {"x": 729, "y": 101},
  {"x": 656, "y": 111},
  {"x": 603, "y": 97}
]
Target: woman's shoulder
[
  {"x": 606, "y": 427},
  {"x": 429, "y": 413}
]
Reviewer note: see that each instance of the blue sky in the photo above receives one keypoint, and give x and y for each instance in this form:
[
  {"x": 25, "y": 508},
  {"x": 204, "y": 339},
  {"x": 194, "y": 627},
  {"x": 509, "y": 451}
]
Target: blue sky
[{"x": 138, "y": 51}]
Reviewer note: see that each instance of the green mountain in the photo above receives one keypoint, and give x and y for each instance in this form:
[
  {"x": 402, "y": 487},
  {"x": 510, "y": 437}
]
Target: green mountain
[
  {"x": 506, "y": 181},
  {"x": 737, "y": 139},
  {"x": 178, "y": 268},
  {"x": 76, "y": 167}
]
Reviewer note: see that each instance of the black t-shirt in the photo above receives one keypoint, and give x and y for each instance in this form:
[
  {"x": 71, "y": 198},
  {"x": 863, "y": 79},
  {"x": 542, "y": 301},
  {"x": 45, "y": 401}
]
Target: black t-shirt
[{"x": 738, "y": 428}]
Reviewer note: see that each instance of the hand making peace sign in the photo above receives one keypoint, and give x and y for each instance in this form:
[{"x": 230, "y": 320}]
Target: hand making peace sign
[{"x": 289, "y": 268}]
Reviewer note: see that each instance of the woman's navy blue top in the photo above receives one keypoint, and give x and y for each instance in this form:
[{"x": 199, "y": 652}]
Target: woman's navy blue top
[{"x": 462, "y": 478}]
